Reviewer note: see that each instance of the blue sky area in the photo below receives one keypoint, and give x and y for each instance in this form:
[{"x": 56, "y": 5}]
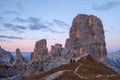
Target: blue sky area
[{"x": 22, "y": 22}]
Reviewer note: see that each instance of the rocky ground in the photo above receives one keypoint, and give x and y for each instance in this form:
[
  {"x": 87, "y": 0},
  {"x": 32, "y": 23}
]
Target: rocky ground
[{"x": 86, "y": 68}]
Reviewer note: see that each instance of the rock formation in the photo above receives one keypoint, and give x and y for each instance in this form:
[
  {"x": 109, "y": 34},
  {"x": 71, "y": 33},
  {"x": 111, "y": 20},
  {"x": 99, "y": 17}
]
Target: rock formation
[
  {"x": 19, "y": 59},
  {"x": 40, "y": 50},
  {"x": 56, "y": 50},
  {"x": 87, "y": 36},
  {"x": 69, "y": 53},
  {"x": 32, "y": 56},
  {"x": 6, "y": 57},
  {"x": 68, "y": 44}
]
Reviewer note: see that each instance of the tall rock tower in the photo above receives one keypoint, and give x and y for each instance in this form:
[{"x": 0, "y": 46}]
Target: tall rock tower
[
  {"x": 40, "y": 50},
  {"x": 87, "y": 36},
  {"x": 19, "y": 59}
]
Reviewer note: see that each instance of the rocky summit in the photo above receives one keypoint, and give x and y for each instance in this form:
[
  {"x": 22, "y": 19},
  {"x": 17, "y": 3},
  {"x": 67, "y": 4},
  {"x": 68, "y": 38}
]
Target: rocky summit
[
  {"x": 40, "y": 50},
  {"x": 56, "y": 50},
  {"x": 87, "y": 36}
]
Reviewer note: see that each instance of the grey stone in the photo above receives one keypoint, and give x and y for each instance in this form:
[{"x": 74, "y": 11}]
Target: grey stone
[{"x": 56, "y": 50}]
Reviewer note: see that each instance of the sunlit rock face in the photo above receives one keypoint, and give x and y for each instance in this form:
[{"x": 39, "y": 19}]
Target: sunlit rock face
[
  {"x": 19, "y": 59},
  {"x": 40, "y": 50},
  {"x": 87, "y": 36}
]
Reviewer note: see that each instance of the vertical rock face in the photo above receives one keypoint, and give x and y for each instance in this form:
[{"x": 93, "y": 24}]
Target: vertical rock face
[
  {"x": 32, "y": 56},
  {"x": 68, "y": 44},
  {"x": 56, "y": 50},
  {"x": 87, "y": 36},
  {"x": 5, "y": 57},
  {"x": 19, "y": 59},
  {"x": 40, "y": 50}
]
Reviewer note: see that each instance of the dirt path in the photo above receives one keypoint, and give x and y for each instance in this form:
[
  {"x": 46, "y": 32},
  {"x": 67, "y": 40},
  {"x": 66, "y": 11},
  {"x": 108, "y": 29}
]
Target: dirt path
[{"x": 75, "y": 72}]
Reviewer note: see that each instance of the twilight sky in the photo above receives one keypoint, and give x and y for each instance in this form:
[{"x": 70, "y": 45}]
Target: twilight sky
[{"x": 23, "y": 22}]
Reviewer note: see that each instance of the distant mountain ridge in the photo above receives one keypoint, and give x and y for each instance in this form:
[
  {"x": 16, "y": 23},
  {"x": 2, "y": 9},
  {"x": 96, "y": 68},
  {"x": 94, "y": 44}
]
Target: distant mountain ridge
[
  {"x": 6, "y": 57},
  {"x": 113, "y": 59},
  {"x": 25, "y": 54}
]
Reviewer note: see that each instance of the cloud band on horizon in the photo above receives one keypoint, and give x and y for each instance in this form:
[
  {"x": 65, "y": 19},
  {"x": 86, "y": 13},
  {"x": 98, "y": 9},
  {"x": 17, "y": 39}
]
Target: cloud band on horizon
[{"x": 10, "y": 37}]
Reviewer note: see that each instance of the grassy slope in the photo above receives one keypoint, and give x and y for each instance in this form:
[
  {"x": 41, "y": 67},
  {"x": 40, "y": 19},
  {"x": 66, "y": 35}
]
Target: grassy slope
[{"x": 89, "y": 69}]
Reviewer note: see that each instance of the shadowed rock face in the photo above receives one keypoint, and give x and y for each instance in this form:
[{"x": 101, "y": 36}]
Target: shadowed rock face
[
  {"x": 56, "y": 50},
  {"x": 19, "y": 59},
  {"x": 87, "y": 36},
  {"x": 40, "y": 50},
  {"x": 32, "y": 56},
  {"x": 5, "y": 57}
]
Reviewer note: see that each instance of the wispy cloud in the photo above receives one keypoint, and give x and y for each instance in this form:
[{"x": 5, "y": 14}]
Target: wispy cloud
[
  {"x": 106, "y": 6},
  {"x": 37, "y": 26},
  {"x": 47, "y": 26},
  {"x": 33, "y": 23},
  {"x": 60, "y": 23},
  {"x": 10, "y": 37},
  {"x": 33, "y": 19},
  {"x": 8, "y": 25},
  {"x": 18, "y": 28},
  {"x": 18, "y": 19},
  {"x": 3, "y": 40},
  {"x": 54, "y": 31},
  {"x": 28, "y": 20},
  {"x": 11, "y": 12}
]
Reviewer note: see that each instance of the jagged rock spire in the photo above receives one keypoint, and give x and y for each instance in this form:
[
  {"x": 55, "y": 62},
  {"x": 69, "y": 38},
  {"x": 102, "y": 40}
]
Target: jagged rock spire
[{"x": 19, "y": 59}]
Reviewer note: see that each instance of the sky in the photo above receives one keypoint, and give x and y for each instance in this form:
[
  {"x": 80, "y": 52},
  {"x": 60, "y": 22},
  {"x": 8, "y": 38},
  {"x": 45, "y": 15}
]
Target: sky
[{"x": 23, "y": 22}]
